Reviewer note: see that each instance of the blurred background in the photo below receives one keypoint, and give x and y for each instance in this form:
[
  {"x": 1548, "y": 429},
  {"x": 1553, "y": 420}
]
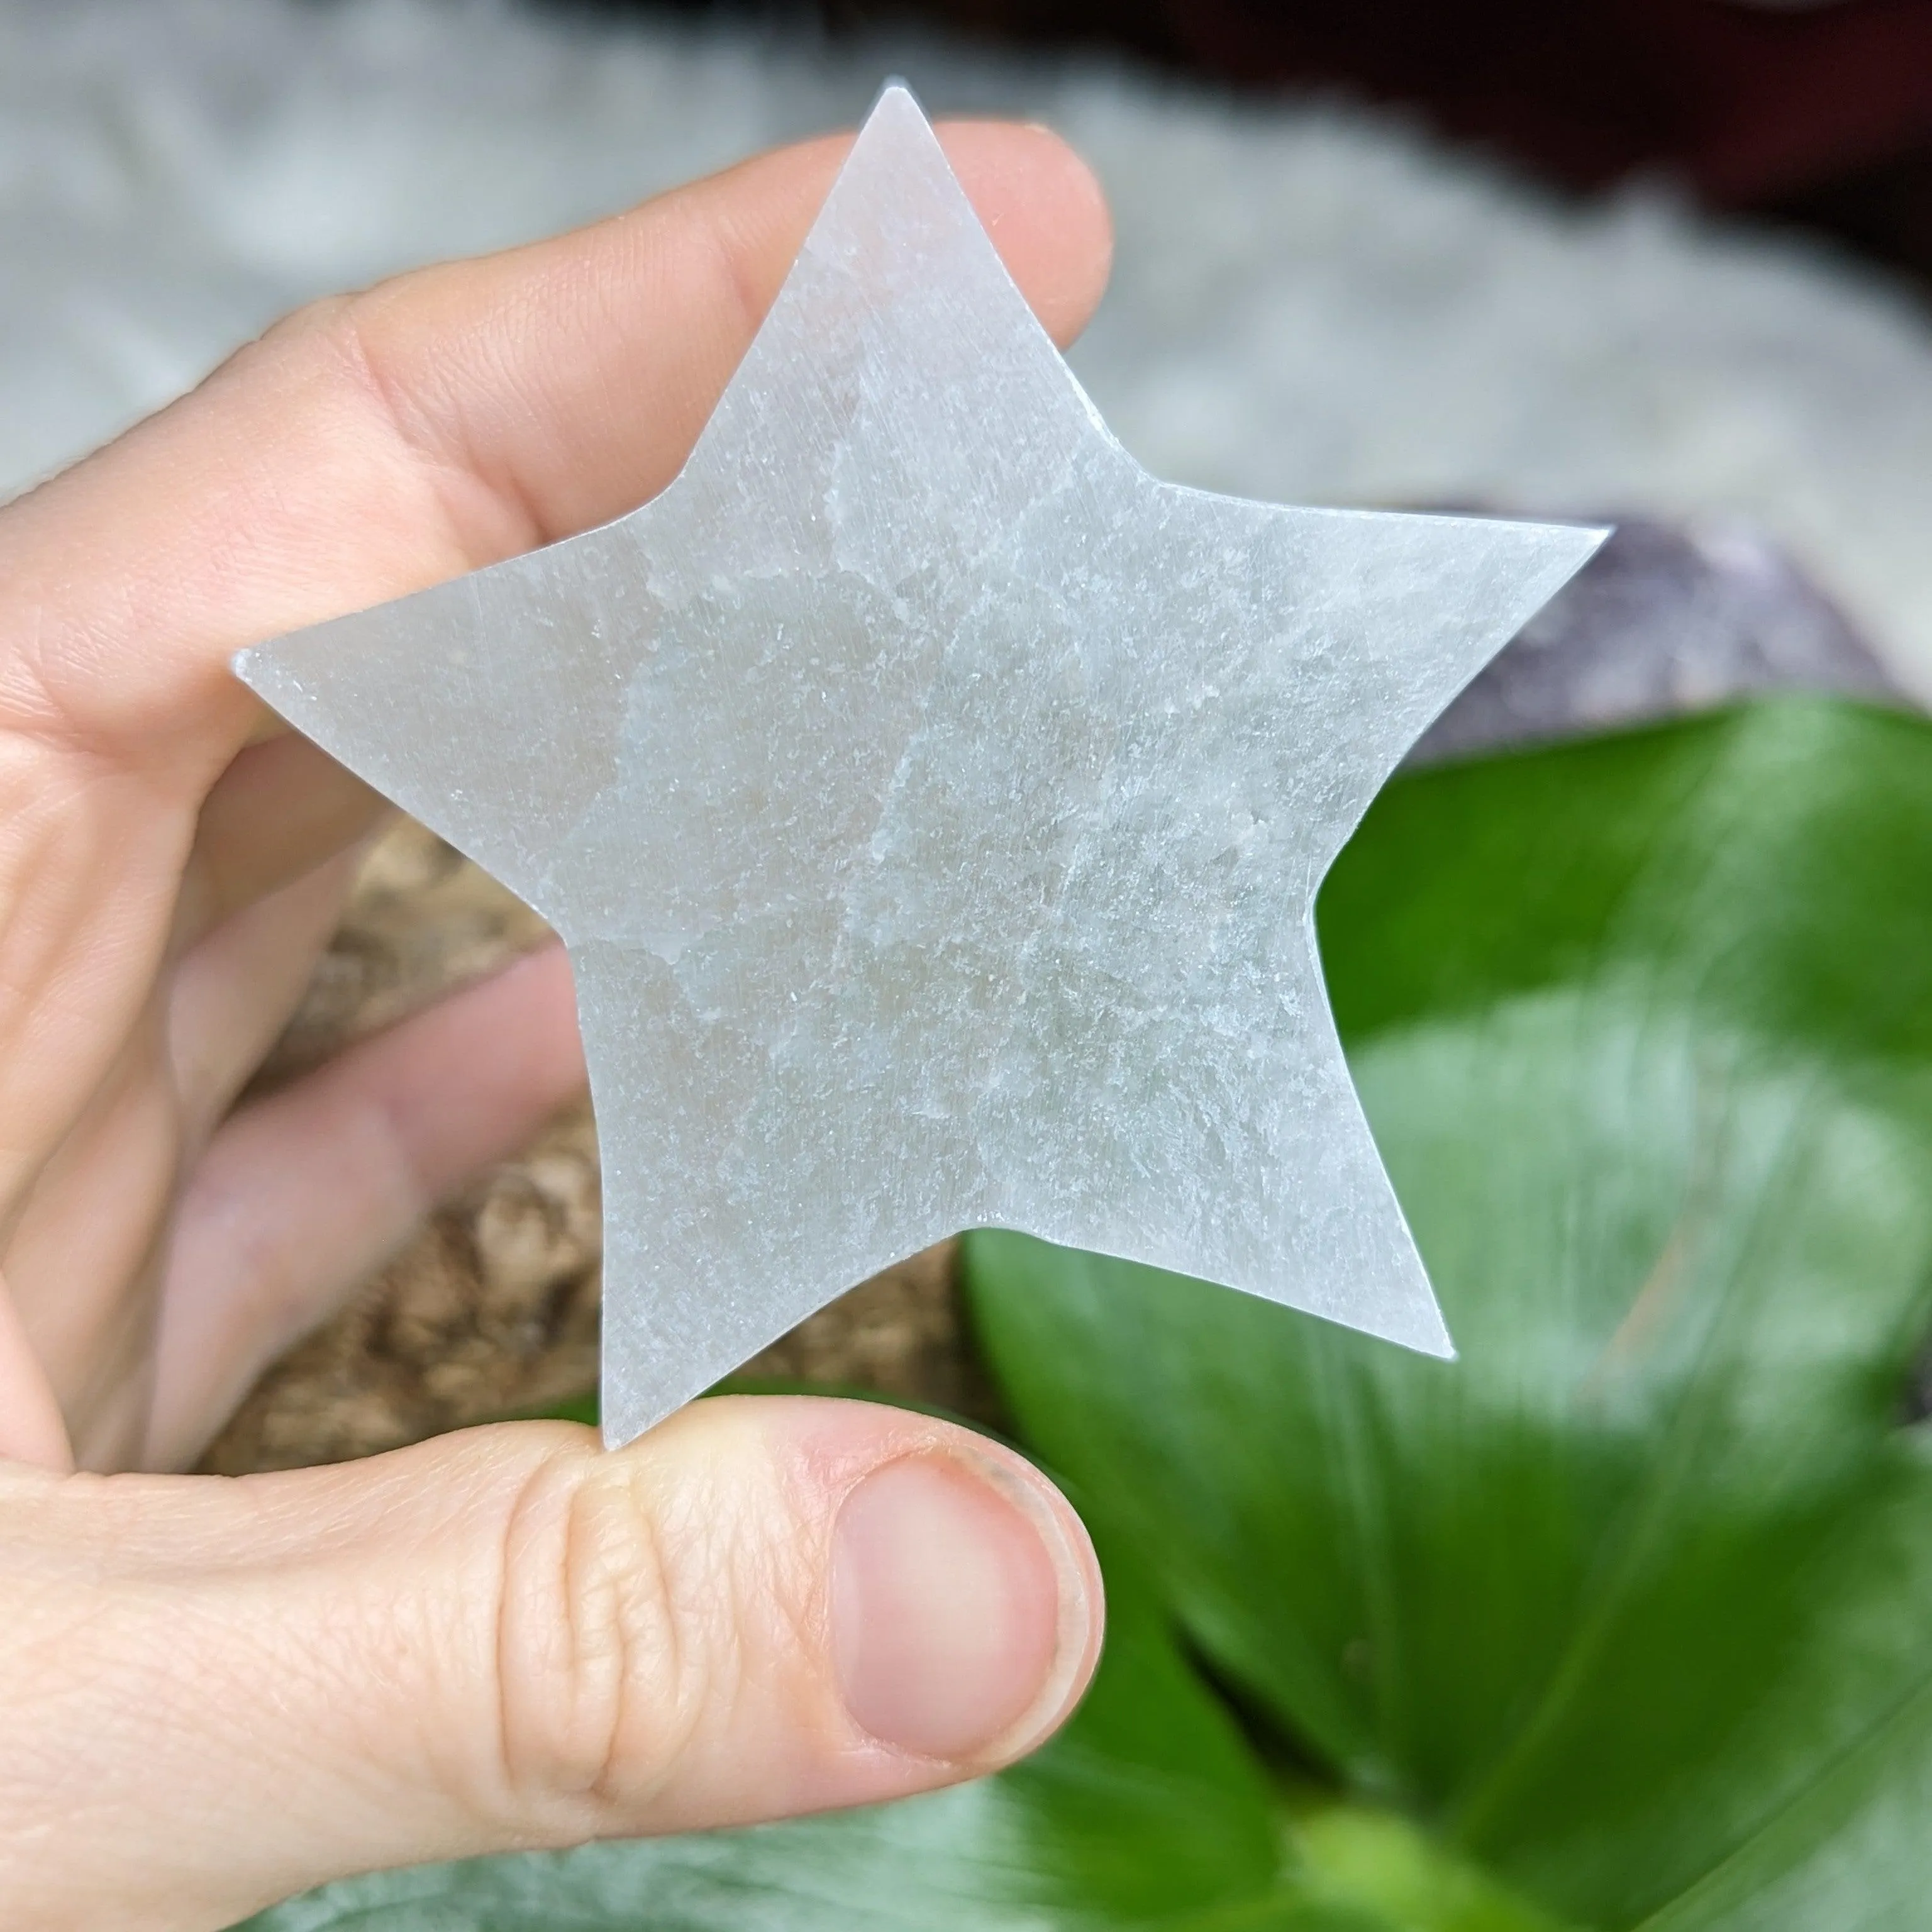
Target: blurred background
[
  {"x": 1669, "y": 259},
  {"x": 1663, "y": 255}
]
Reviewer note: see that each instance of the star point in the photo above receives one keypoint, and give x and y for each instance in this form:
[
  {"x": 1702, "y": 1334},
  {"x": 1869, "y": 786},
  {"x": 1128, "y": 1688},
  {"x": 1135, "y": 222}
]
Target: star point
[{"x": 933, "y": 805}]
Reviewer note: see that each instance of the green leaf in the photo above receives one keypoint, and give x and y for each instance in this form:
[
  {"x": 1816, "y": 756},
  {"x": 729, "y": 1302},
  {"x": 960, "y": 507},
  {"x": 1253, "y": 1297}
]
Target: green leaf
[
  {"x": 1632, "y": 1605},
  {"x": 1148, "y": 1809},
  {"x": 1389, "y": 1874}
]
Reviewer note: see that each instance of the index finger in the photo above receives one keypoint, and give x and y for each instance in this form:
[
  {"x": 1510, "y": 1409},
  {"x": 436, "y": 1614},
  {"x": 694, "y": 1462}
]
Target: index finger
[{"x": 378, "y": 443}]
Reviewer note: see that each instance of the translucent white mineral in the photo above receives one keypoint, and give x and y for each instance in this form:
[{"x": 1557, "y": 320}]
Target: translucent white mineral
[{"x": 933, "y": 804}]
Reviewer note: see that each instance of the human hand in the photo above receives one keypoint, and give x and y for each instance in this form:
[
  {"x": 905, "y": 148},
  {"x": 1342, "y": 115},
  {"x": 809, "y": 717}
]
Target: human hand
[{"x": 215, "y": 1693}]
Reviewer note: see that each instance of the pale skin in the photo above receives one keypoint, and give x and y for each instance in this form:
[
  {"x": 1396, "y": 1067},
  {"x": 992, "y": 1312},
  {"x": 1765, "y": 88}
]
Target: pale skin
[{"x": 215, "y": 1693}]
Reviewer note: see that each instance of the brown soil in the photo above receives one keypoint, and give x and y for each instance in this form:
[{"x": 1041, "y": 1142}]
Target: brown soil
[{"x": 492, "y": 1308}]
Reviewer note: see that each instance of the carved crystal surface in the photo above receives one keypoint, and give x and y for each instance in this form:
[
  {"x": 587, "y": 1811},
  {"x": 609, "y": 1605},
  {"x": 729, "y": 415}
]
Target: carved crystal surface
[{"x": 933, "y": 804}]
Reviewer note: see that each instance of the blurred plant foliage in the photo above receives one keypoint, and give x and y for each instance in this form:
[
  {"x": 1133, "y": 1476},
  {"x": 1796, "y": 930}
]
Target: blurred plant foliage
[{"x": 1623, "y": 1620}]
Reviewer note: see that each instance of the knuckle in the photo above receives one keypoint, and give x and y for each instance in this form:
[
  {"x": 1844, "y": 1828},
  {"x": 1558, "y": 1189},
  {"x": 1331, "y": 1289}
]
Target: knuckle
[
  {"x": 601, "y": 1675},
  {"x": 300, "y": 350}
]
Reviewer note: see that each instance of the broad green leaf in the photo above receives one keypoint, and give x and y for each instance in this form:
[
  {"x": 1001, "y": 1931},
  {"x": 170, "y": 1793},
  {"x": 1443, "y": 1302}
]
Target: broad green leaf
[
  {"x": 1148, "y": 1809},
  {"x": 1392, "y": 1875},
  {"x": 1633, "y": 1604}
]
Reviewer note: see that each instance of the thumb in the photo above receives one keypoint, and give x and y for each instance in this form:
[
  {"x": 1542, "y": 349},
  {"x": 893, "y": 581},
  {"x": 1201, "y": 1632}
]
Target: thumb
[{"x": 218, "y": 1693}]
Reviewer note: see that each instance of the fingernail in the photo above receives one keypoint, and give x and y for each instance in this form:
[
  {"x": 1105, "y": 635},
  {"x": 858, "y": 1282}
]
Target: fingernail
[{"x": 964, "y": 1610}]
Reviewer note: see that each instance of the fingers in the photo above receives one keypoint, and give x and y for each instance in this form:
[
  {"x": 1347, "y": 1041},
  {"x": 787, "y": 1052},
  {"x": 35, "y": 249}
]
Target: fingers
[
  {"x": 505, "y": 1639},
  {"x": 379, "y": 444},
  {"x": 595, "y": 410},
  {"x": 281, "y": 809},
  {"x": 32, "y": 1430},
  {"x": 232, "y": 994},
  {"x": 301, "y": 1194},
  {"x": 79, "y": 1252}
]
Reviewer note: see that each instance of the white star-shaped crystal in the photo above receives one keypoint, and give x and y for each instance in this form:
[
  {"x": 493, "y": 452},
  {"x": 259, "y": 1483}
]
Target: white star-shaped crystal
[{"x": 933, "y": 804}]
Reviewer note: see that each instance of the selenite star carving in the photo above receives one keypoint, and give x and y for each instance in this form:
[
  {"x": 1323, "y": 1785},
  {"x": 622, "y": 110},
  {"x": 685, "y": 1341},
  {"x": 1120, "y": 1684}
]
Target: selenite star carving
[{"x": 933, "y": 805}]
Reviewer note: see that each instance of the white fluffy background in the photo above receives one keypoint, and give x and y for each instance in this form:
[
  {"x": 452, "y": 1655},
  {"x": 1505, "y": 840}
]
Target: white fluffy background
[{"x": 1311, "y": 302}]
